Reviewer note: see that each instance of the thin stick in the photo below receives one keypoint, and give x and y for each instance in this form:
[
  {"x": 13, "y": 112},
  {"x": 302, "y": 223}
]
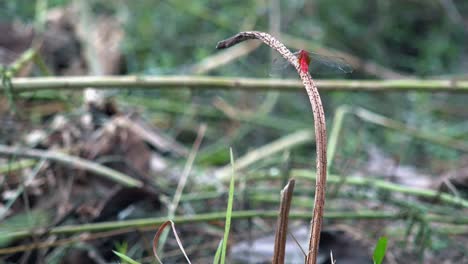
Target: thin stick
[
  {"x": 282, "y": 225},
  {"x": 182, "y": 181},
  {"x": 319, "y": 124},
  {"x": 71, "y": 161}
]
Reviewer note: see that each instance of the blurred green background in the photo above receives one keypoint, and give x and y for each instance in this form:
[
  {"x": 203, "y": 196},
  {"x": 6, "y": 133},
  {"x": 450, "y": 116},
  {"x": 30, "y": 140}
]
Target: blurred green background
[{"x": 426, "y": 39}]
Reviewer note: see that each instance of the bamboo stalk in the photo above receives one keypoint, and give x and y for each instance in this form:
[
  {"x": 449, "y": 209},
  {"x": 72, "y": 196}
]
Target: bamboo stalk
[{"x": 205, "y": 82}]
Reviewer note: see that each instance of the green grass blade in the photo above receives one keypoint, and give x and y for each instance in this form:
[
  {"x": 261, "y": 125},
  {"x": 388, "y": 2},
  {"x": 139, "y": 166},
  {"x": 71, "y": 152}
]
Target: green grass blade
[
  {"x": 228, "y": 211},
  {"x": 125, "y": 258},
  {"x": 379, "y": 252},
  {"x": 218, "y": 253}
]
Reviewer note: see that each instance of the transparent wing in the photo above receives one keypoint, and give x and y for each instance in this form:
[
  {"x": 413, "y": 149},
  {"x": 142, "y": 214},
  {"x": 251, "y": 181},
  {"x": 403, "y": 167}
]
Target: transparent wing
[
  {"x": 328, "y": 64},
  {"x": 320, "y": 65},
  {"x": 280, "y": 67}
]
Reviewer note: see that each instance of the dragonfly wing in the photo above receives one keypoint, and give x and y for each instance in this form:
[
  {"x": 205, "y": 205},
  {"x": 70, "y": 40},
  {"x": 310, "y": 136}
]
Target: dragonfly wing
[
  {"x": 328, "y": 64},
  {"x": 319, "y": 65},
  {"x": 280, "y": 67}
]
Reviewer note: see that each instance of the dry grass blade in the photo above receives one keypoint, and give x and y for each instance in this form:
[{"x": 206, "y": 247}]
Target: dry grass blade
[
  {"x": 71, "y": 161},
  {"x": 286, "y": 142},
  {"x": 282, "y": 225},
  {"x": 183, "y": 179},
  {"x": 298, "y": 244},
  {"x": 158, "y": 234}
]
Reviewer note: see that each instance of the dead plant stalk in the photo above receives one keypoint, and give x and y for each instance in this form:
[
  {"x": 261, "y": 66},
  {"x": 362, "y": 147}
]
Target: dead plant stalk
[{"x": 319, "y": 124}]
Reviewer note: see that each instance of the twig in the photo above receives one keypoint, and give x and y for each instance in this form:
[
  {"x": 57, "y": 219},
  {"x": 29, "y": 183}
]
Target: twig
[
  {"x": 282, "y": 223},
  {"x": 319, "y": 124},
  {"x": 204, "y": 82},
  {"x": 71, "y": 161}
]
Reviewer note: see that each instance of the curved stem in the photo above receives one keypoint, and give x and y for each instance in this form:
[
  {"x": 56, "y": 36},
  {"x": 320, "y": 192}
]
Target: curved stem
[{"x": 319, "y": 124}]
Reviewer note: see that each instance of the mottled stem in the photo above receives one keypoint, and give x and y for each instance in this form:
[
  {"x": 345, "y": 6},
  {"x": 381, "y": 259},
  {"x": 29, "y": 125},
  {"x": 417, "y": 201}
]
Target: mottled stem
[{"x": 319, "y": 124}]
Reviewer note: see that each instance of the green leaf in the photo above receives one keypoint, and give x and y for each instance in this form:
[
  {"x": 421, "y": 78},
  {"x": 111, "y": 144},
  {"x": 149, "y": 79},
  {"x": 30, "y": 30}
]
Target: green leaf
[
  {"x": 228, "y": 212},
  {"x": 218, "y": 252},
  {"x": 125, "y": 258},
  {"x": 380, "y": 248}
]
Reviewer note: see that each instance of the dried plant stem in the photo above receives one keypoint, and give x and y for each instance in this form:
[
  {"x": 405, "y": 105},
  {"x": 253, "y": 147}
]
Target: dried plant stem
[
  {"x": 319, "y": 124},
  {"x": 282, "y": 225}
]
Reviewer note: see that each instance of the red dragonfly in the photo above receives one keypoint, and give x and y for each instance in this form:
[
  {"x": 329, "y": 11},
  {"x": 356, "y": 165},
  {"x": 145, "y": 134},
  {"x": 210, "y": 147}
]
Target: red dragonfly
[
  {"x": 314, "y": 63},
  {"x": 304, "y": 60}
]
